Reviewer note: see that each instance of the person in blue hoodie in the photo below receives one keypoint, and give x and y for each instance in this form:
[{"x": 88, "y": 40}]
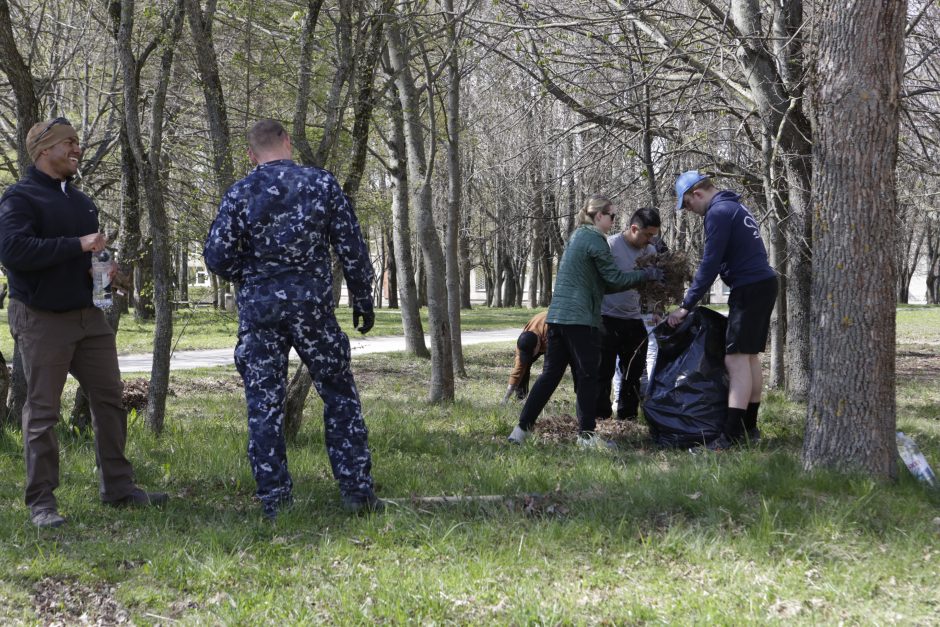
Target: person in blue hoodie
[{"x": 734, "y": 250}]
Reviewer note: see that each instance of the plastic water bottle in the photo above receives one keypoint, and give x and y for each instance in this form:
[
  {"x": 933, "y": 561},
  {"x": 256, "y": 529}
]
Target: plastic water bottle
[
  {"x": 100, "y": 270},
  {"x": 915, "y": 460}
]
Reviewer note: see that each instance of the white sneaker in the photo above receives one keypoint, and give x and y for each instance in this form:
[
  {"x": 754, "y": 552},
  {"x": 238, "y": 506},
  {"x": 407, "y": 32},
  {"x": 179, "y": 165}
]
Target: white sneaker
[
  {"x": 592, "y": 440},
  {"x": 519, "y": 435}
]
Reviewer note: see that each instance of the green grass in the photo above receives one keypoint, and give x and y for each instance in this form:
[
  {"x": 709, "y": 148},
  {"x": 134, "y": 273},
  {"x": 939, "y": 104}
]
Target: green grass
[
  {"x": 632, "y": 537},
  {"x": 208, "y": 328}
]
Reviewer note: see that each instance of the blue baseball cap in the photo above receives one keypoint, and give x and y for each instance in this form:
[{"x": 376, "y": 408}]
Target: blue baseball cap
[{"x": 685, "y": 182}]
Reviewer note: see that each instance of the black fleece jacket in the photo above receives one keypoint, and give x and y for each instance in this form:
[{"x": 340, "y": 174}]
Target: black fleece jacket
[{"x": 41, "y": 221}]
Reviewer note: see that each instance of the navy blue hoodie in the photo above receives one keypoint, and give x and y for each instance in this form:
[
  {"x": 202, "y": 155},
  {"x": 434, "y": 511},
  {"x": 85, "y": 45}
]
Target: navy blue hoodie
[
  {"x": 41, "y": 221},
  {"x": 733, "y": 248}
]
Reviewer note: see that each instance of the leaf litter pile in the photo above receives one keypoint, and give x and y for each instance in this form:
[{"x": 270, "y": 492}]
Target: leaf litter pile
[{"x": 661, "y": 296}]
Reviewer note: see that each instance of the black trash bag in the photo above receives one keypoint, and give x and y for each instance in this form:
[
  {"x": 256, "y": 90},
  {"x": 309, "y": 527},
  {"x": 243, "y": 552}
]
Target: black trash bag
[{"x": 687, "y": 399}]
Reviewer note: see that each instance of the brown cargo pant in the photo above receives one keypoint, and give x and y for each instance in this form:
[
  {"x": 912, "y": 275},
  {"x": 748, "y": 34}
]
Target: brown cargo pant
[{"x": 53, "y": 345}]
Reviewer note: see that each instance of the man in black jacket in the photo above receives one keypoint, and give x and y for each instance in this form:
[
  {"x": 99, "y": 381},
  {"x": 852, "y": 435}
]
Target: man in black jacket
[{"x": 48, "y": 233}]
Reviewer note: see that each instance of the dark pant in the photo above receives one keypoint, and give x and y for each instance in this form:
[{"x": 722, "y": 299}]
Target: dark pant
[
  {"x": 577, "y": 346},
  {"x": 625, "y": 339},
  {"x": 53, "y": 345},
  {"x": 267, "y": 331}
]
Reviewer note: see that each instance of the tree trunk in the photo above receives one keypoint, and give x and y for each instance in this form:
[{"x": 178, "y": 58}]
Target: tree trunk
[
  {"x": 454, "y": 191},
  {"x": 149, "y": 163},
  {"x": 22, "y": 83},
  {"x": 778, "y": 100},
  {"x": 391, "y": 271},
  {"x": 850, "y": 421},
  {"x": 207, "y": 62},
  {"x": 305, "y": 63},
  {"x": 441, "y": 388},
  {"x": 4, "y": 394},
  {"x": 401, "y": 237}
]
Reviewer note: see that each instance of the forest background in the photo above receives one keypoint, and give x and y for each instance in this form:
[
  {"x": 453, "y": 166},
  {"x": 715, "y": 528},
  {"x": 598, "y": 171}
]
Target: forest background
[{"x": 468, "y": 134}]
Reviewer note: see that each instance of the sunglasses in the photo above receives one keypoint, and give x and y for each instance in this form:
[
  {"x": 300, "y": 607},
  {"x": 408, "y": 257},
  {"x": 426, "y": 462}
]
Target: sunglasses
[{"x": 49, "y": 128}]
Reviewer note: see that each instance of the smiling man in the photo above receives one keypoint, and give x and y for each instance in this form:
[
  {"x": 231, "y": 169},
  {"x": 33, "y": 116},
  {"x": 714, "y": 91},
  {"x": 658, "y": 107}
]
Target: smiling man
[{"x": 48, "y": 232}]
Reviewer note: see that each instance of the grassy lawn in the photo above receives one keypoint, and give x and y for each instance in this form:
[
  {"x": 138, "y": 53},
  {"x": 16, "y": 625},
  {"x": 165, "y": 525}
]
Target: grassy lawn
[
  {"x": 208, "y": 328},
  {"x": 636, "y": 536}
]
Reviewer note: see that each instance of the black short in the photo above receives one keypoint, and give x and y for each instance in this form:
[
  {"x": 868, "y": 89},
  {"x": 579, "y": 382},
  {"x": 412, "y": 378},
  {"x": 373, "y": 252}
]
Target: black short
[{"x": 749, "y": 312}]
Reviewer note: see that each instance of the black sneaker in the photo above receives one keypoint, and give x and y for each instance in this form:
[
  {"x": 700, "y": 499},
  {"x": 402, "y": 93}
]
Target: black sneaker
[
  {"x": 46, "y": 518},
  {"x": 717, "y": 445},
  {"x": 721, "y": 443},
  {"x": 140, "y": 498},
  {"x": 753, "y": 435},
  {"x": 363, "y": 504}
]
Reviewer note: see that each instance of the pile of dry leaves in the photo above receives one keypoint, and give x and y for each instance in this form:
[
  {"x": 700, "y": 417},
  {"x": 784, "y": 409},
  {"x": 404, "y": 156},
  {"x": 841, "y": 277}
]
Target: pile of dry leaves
[{"x": 662, "y": 296}]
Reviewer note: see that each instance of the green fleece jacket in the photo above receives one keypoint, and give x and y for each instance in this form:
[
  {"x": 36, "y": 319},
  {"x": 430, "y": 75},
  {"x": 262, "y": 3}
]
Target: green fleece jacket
[{"x": 587, "y": 272}]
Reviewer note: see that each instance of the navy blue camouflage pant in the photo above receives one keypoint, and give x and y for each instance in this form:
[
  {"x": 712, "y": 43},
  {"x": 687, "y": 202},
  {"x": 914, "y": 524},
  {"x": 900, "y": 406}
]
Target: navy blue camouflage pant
[{"x": 266, "y": 332}]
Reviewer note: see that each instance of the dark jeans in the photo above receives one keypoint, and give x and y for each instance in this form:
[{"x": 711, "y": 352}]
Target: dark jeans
[
  {"x": 577, "y": 346},
  {"x": 53, "y": 345},
  {"x": 625, "y": 339}
]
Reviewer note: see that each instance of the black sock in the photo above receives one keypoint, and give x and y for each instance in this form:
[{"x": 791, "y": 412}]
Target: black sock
[
  {"x": 750, "y": 418},
  {"x": 734, "y": 424}
]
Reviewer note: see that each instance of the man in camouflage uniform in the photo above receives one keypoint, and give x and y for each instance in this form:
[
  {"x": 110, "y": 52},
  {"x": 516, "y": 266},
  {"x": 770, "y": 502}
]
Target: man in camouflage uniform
[{"x": 272, "y": 237}]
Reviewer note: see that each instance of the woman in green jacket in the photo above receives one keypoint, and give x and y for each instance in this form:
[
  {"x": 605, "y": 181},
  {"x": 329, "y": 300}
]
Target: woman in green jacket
[{"x": 587, "y": 271}]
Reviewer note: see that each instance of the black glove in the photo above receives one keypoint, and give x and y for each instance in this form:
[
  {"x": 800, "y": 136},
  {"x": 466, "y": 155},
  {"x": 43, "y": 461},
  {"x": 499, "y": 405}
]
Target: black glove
[
  {"x": 368, "y": 320},
  {"x": 654, "y": 274}
]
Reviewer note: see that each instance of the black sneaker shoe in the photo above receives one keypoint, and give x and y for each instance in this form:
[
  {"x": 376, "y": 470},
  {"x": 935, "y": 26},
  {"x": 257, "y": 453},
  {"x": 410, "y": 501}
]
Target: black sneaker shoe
[
  {"x": 753, "y": 435},
  {"x": 363, "y": 505},
  {"x": 140, "y": 498},
  {"x": 721, "y": 443},
  {"x": 46, "y": 518}
]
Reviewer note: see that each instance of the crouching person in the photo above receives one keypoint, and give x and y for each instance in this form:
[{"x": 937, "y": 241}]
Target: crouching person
[{"x": 272, "y": 236}]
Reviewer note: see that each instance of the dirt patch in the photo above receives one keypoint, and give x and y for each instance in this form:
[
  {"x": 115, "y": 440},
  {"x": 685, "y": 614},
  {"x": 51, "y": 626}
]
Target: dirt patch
[
  {"x": 917, "y": 366},
  {"x": 135, "y": 394},
  {"x": 229, "y": 384},
  {"x": 564, "y": 428},
  {"x": 63, "y": 602}
]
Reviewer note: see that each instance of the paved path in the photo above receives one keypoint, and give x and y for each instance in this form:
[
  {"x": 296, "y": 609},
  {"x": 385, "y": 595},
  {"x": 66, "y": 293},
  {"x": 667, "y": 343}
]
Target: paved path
[{"x": 183, "y": 360}]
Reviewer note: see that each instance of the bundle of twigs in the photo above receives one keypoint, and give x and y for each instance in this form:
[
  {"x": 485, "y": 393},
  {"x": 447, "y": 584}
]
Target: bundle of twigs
[{"x": 660, "y": 297}]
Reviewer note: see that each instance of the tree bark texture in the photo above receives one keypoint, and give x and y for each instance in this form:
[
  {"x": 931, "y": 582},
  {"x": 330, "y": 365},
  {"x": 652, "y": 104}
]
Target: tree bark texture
[
  {"x": 441, "y": 388},
  {"x": 307, "y": 44},
  {"x": 149, "y": 163},
  {"x": 783, "y": 119},
  {"x": 401, "y": 232},
  {"x": 207, "y": 63},
  {"x": 850, "y": 422},
  {"x": 21, "y": 81},
  {"x": 454, "y": 192}
]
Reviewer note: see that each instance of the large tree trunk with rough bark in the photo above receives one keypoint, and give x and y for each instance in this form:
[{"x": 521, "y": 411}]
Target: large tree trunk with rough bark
[{"x": 850, "y": 422}]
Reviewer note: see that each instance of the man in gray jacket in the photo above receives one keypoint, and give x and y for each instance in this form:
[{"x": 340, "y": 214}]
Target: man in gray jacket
[{"x": 622, "y": 319}]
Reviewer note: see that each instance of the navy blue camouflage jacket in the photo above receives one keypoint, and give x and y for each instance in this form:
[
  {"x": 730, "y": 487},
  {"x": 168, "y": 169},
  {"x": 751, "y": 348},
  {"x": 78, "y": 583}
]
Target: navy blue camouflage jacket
[{"x": 274, "y": 232}]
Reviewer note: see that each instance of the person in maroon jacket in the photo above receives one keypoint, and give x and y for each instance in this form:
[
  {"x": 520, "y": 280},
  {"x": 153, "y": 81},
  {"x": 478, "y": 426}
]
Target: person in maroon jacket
[{"x": 48, "y": 233}]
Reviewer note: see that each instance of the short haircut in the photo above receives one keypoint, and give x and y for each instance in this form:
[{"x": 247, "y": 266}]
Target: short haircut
[
  {"x": 645, "y": 217},
  {"x": 265, "y": 135}
]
